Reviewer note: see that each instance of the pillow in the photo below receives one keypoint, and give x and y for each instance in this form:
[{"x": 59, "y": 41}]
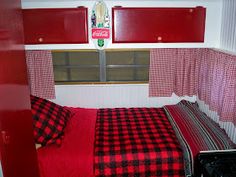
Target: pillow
[
  {"x": 207, "y": 126},
  {"x": 49, "y": 121}
]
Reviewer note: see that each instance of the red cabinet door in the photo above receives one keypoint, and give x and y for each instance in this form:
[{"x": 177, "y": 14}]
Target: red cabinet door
[
  {"x": 55, "y": 26},
  {"x": 150, "y": 25},
  {"x": 17, "y": 149}
]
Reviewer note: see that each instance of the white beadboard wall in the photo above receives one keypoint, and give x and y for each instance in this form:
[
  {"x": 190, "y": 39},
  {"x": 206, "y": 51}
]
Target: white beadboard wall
[
  {"x": 228, "y": 26},
  {"x": 111, "y": 95},
  {"x": 228, "y": 45},
  {"x": 227, "y": 126},
  {"x": 212, "y": 28}
]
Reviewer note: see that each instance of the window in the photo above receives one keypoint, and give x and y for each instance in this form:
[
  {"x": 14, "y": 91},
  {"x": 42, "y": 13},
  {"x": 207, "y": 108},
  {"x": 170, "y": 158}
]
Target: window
[
  {"x": 100, "y": 66},
  {"x": 76, "y": 66}
]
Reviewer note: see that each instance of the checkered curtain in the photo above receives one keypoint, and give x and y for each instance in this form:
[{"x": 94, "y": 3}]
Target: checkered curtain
[
  {"x": 173, "y": 71},
  {"x": 40, "y": 73},
  {"x": 207, "y": 73},
  {"x": 217, "y": 83}
]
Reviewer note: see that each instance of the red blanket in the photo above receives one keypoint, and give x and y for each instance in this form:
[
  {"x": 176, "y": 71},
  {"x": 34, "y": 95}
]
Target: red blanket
[
  {"x": 132, "y": 142},
  {"x": 74, "y": 158},
  {"x": 136, "y": 142}
]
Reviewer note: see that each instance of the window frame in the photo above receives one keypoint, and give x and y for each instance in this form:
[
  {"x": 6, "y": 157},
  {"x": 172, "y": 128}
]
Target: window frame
[{"x": 102, "y": 67}]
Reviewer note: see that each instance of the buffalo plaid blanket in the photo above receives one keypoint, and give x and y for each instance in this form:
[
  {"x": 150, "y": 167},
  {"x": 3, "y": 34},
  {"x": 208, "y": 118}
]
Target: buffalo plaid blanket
[{"x": 136, "y": 142}]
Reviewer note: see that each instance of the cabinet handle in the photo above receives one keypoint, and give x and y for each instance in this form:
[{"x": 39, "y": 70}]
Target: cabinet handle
[
  {"x": 159, "y": 38},
  {"x": 40, "y": 39}
]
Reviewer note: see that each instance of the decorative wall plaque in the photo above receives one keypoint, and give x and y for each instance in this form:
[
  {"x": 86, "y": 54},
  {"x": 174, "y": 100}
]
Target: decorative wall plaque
[{"x": 100, "y": 25}]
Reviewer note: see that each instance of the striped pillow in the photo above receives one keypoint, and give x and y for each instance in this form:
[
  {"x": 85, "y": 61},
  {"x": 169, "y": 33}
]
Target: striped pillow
[{"x": 196, "y": 132}]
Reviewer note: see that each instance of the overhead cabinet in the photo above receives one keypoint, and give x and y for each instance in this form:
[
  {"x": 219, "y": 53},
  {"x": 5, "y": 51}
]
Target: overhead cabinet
[
  {"x": 56, "y": 26},
  {"x": 151, "y": 25}
]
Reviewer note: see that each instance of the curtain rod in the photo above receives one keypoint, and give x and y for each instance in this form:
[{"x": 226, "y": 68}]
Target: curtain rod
[{"x": 225, "y": 51}]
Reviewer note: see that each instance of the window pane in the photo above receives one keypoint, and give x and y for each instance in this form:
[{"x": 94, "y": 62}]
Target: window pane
[
  {"x": 127, "y": 65},
  {"x": 120, "y": 74},
  {"x": 85, "y": 74},
  {"x": 142, "y": 74},
  {"x": 142, "y": 57},
  {"x": 127, "y": 57},
  {"x": 127, "y": 74},
  {"x": 76, "y": 66},
  {"x": 60, "y": 75},
  {"x": 119, "y": 58},
  {"x": 83, "y": 58},
  {"x": 59, "y": 58}
]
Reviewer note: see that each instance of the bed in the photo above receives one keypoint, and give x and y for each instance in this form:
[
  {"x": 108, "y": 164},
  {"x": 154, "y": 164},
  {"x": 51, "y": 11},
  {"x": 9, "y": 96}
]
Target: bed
[{"x": 129, "y": 142}]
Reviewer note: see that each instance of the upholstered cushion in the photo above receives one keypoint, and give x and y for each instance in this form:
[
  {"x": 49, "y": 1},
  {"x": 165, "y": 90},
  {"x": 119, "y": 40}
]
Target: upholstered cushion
[{"x": 49, "y": 120}]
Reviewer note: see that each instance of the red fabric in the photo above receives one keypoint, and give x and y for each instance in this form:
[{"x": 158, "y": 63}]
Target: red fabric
[
  {"x": 200, "y": 132},
  {"x": 174, "y": 71},
  {"x": 136, "y": 142},
  {"x": 217, "y": 83},
  {"x": 49, "y": 121},
  {"x": 40, "y": 73},
  {"x": 74, "y": 158},
  {"x": 196, "y": 131}
]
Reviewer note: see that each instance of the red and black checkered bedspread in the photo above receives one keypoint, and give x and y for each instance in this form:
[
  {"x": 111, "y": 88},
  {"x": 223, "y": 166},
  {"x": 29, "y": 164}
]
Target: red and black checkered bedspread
[{"x": 136, "y": 142}]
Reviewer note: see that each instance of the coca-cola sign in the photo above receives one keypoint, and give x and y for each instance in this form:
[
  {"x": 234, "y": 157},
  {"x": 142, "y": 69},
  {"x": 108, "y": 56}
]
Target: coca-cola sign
[{"x": 100, "y": 33}]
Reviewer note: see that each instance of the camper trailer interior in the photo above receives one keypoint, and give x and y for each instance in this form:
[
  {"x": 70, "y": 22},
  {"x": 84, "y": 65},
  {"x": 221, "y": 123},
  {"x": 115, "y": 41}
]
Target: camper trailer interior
[{"x": 108, "y": 88}]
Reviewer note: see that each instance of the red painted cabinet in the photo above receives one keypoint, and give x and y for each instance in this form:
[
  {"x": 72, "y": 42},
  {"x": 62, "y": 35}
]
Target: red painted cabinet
[
  {"x": 18, "y": 156},
  {"x": 150, "y": 25},
  {"x": 56, "y": 26}
]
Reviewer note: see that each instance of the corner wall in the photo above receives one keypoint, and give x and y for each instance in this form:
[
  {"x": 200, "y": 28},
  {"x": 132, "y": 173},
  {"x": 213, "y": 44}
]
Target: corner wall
[{"x": 228, "y": 27}]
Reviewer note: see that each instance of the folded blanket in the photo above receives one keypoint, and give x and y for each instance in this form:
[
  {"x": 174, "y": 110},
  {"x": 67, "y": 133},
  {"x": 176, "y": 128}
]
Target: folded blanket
[{"x": 196, "y": 132}]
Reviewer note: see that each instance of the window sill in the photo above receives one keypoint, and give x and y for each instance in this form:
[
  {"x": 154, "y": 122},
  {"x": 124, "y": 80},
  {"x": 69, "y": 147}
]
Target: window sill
[{"x": 101, "y": 83}]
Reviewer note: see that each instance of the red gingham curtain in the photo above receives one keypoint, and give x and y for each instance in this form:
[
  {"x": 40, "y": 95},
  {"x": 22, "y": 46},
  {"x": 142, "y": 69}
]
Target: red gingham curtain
[
  {"x": 217, "y": 83},
  {"x": 40, "y": 73},
  {"x": 207, "y": 73},
  {"x": 173, "y": 71}
]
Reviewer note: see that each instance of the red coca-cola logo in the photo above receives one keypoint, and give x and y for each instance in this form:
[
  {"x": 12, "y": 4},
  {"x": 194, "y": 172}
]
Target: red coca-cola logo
[{"x": 100, "y": 33}]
